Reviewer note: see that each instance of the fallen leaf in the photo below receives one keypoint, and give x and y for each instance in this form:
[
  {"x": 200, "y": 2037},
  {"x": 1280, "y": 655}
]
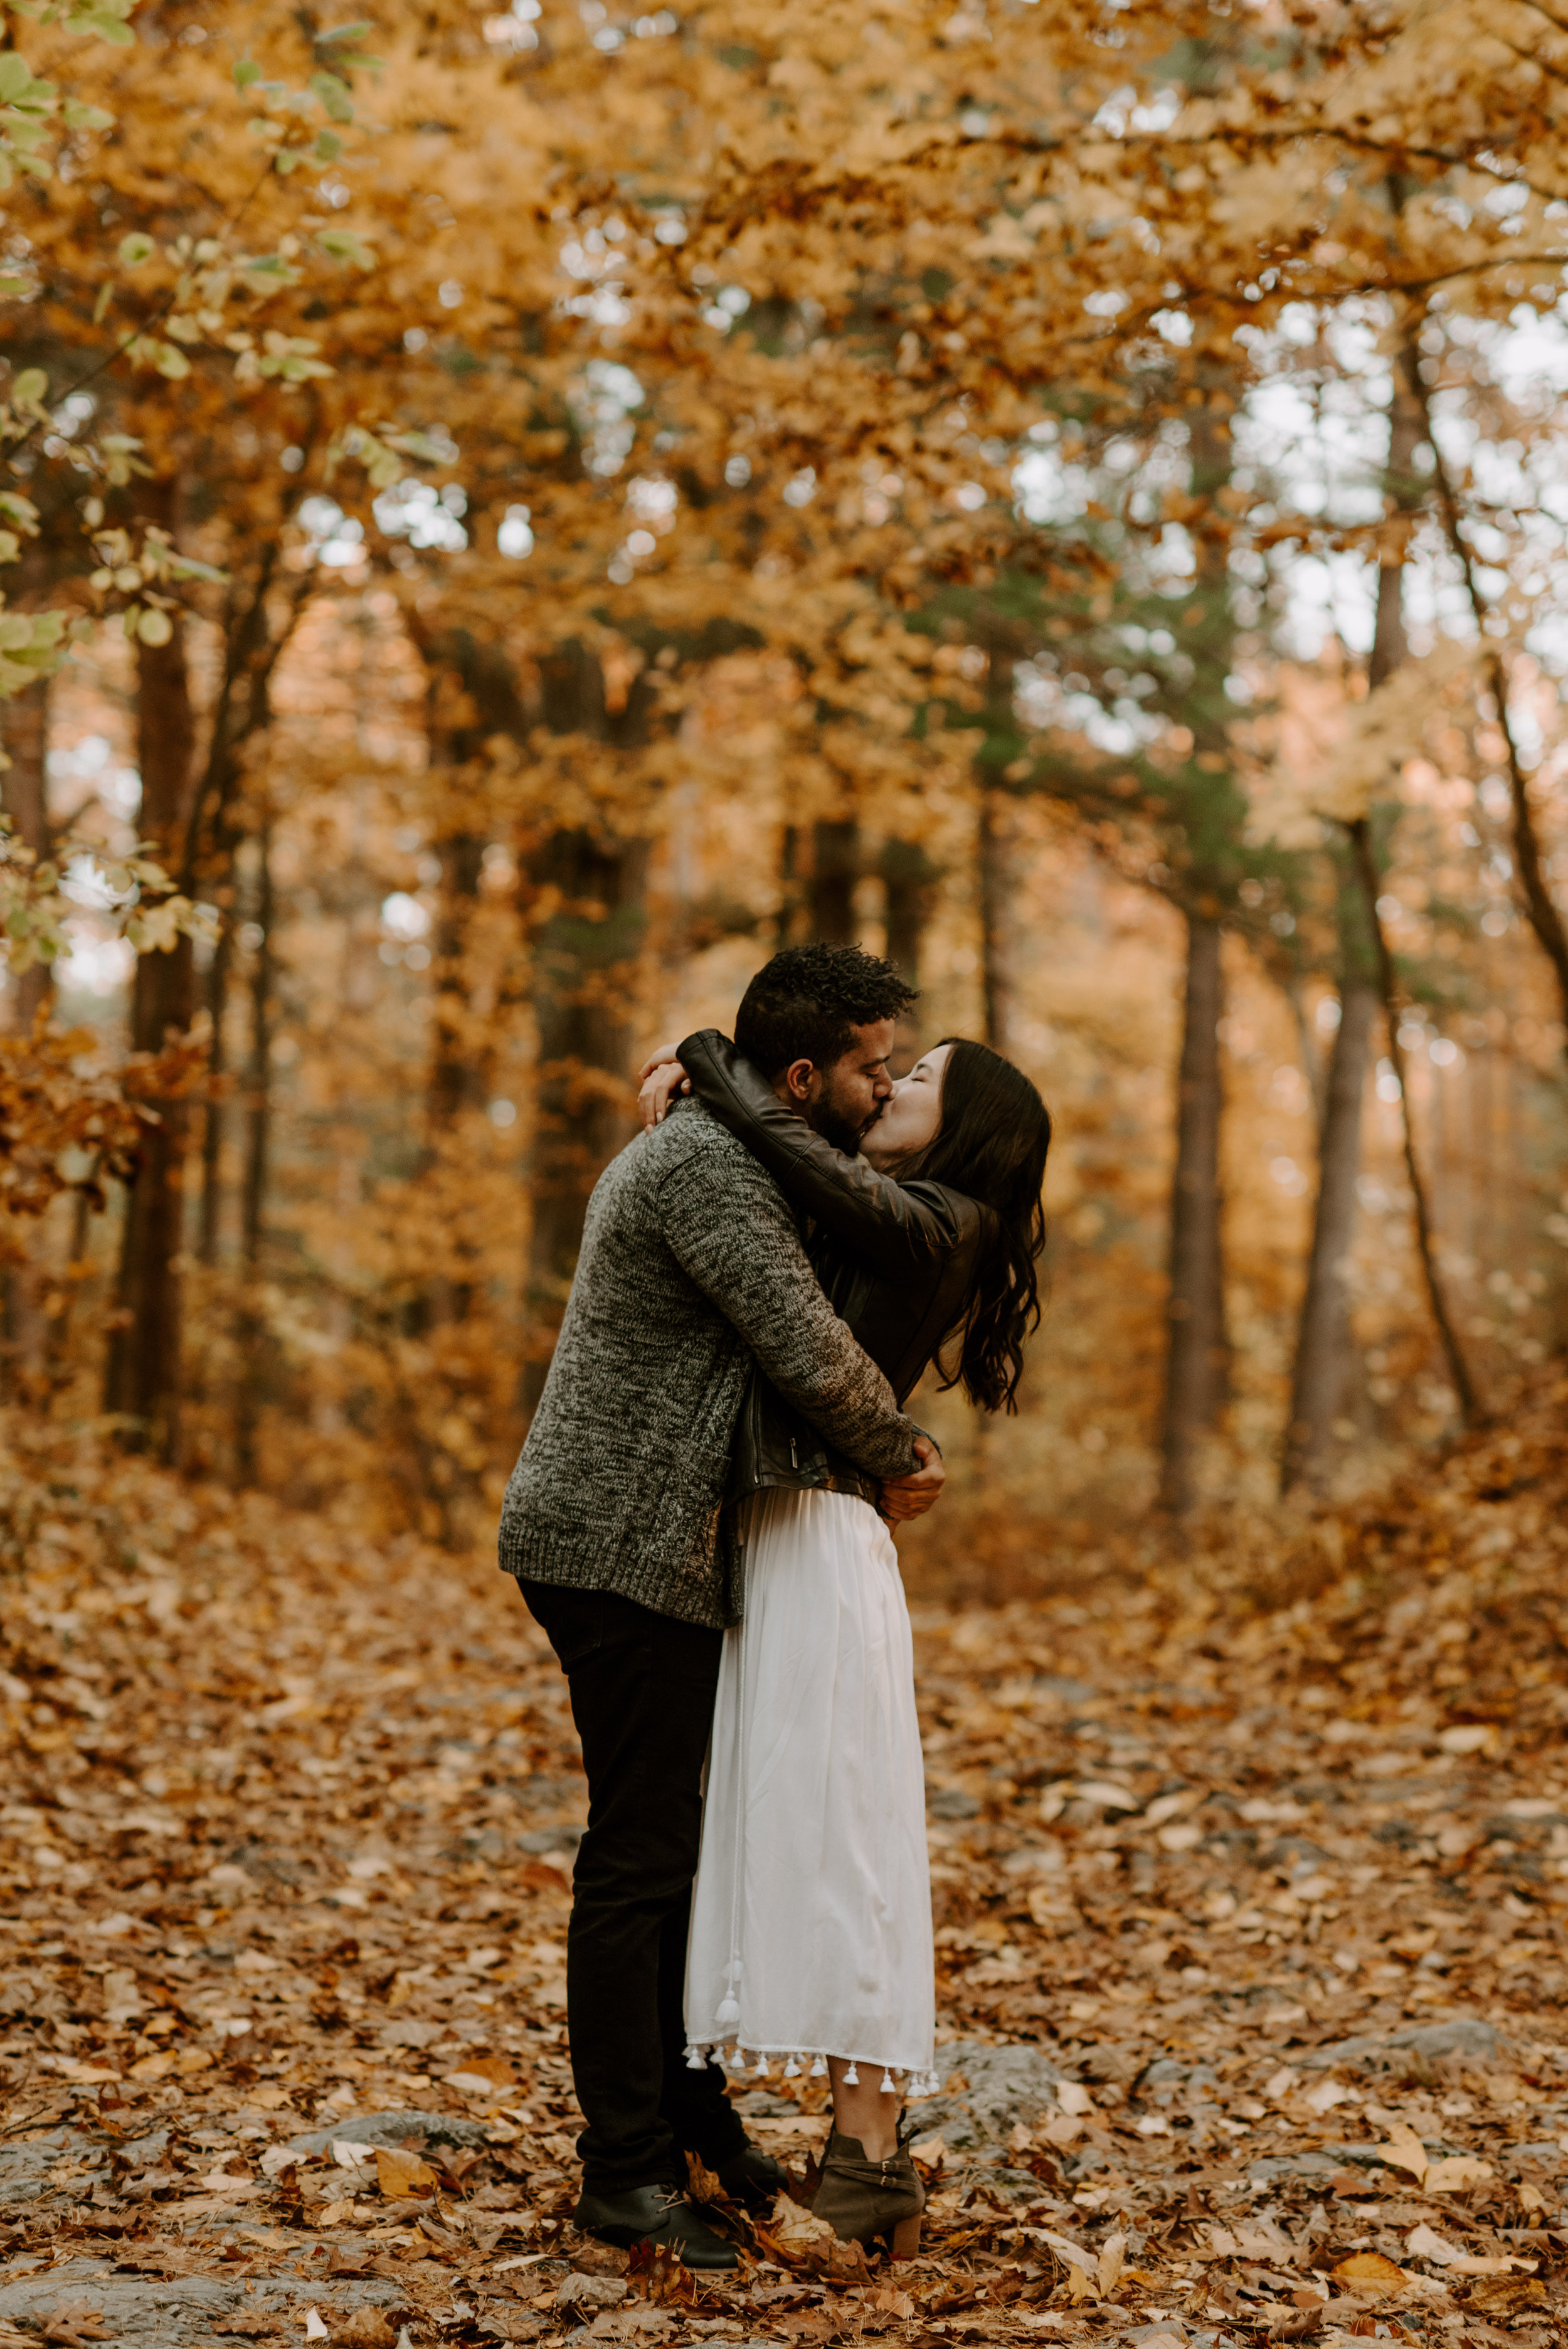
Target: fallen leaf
[
  {"x": 1110, "y": 1796},
  {"x": 314, "y": 2330},
  {"x": 1472, "y": 1737},
  {"x": 476, "y": 2072},
  {"x": 399, "y": 2173},
  {"x": 1404, "y": 2150},
  {"x": 71, "y": 2324},
  {"x": 1112, "y": 2260},
  {"x": 1455, "y": 2172},
  {"x": 155, "y": 2067},
  {"x": 368, "y": 2328},
  {"x": 890, "y": 2300},
  {"x": 1369, "y": 2272}
]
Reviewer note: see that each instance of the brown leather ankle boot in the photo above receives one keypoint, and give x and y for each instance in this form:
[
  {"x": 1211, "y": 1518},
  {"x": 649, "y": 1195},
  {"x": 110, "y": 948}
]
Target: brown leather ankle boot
[{"x": 863, "y": 2200}]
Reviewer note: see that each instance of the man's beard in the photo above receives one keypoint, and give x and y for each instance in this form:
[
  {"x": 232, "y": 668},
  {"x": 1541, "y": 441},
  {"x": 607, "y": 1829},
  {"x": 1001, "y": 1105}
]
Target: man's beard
[{"x": 835, "y": 1125}]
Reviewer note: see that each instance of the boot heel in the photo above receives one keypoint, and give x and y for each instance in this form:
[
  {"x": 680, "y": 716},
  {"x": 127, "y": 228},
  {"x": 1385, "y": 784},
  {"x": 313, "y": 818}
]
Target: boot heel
[{"x": 904, "y": 2242}]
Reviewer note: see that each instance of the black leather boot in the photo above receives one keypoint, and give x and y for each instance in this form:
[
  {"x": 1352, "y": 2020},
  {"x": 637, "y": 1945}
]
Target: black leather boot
[
  {"x": 655, "y": 2214},
  {"x": 754, "y": 2178}
]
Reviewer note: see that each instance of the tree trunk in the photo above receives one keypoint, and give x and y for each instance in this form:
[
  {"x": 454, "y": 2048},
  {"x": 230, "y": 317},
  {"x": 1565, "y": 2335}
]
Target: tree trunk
[
  {"x": 1540, "y": 906},
  {"x": 585, "y": 972},
  {"x": 584, "y": 968},
  {"x": 217, "y": 974},
  {"x": 1324, "y": 1341},
  {"x": 1196, "y": 1359},
  {"x": 835, "y": 869},
  {"x": 462, "y": 1052},
  {"x": 1387, "y": 987},
  {"x": 1325, "y": 1338},
  {"x": 909, "y": 877},
  {"x": 992, "y": 843},
  {"x": 24, "y": 730},
  {"x": 251, "y": 1323},
  {"x": 143, "y": 1375},
  {"x": 993, "y": 889},
  {"x": 25, "y": 793}
]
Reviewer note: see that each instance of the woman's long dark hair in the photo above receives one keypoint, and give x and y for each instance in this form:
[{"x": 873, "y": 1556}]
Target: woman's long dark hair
[{"x": 990, "y": 1144}]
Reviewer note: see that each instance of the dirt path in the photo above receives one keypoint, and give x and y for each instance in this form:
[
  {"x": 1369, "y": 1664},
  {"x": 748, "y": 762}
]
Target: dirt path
[{"x": 1249, "y": 1930}]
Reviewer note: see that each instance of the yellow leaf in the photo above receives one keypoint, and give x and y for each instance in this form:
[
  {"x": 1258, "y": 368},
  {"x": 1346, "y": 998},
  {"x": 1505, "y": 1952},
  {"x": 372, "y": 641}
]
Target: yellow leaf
[
  {"x": 1404, "y": 2150},
  {"x": 1452, "y": 2175},
  {"x": 155, "y": 2067},
  {"x": 195, "y": 2059},
  {"x": 1370, "y": 2271},
  {"x": 399, "y": 2173}
]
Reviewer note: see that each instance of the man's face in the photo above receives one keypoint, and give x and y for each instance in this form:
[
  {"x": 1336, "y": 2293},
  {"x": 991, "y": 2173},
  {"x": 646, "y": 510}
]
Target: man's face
[{"x": 843, "y": 1099}]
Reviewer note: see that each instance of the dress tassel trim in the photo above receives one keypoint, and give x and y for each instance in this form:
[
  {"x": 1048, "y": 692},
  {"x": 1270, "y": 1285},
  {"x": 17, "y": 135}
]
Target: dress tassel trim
[{"x": 732, "y": 2057}]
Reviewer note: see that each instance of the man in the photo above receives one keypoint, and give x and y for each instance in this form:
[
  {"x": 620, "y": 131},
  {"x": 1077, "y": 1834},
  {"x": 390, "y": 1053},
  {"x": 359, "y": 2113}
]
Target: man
[{"x": 691, "y": 1267}]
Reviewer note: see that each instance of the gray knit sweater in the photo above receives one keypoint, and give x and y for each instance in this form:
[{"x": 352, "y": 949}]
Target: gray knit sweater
[{"x": 691, "y": 1264}]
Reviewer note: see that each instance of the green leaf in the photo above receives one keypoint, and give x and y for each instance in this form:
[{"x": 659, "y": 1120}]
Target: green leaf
[
  {"x": 11, "y": 285},
  {"x": 105, "y": 296},
  {"x": 286, "y": 161},
  {"x": 135, "y": 249},
  {"x": 245, "y": 73},
  {"x": 334, "y": 95},
  {"x": 185, "y": 566},
  {"x": 29, "y": 387},
  {"x": 79, "y": 117},
  {"x": 15, "y": 79},
  {"x": 344, "y": 33},
  {"x": 98, "y": 20},
  {"x": 328, "y": 147},
  {"x": 342, "y": 245}
]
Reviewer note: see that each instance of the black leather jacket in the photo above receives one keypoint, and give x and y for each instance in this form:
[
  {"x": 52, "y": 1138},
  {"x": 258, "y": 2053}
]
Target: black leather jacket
[{"x": 894, "y": 1258}]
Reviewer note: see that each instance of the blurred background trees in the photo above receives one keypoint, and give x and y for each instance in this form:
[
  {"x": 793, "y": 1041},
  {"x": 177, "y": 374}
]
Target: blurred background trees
[{"x": 518, "y": 514}]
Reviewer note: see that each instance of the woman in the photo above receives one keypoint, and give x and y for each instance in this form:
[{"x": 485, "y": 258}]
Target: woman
[{"x": 810, "y": 1935}]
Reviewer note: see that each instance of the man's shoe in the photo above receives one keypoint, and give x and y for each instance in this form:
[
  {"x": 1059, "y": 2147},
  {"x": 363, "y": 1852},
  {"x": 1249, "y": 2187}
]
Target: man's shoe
[
  {"x": 754, "y": 2178},
  {"x": 655, "y": 2214}
]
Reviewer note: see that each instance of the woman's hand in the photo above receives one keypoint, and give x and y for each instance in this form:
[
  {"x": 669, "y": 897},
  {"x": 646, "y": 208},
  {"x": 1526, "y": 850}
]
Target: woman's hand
[
  {"x": 663, "y": 1079},
  {"x": 904, "y": 1497}
]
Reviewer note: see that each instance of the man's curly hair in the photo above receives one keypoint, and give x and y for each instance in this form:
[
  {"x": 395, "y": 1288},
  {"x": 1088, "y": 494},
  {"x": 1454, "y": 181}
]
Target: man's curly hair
[{"x": 806, "y": 1004}]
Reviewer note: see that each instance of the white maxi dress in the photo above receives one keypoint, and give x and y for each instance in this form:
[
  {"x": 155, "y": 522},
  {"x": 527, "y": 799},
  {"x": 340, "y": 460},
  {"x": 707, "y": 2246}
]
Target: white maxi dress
[{"x": 811, "y": 1931}]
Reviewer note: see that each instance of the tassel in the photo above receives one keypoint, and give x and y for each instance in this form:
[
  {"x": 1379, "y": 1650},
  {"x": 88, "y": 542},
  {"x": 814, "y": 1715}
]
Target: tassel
[
  {"x": 818, "y": 2067},
  {"x": 737, "y": 2061},
  {"x": 792, "y": 2068},
  {"x": 696, "y": 2060},
  {"x": 760, "y": 2066},
  {"x": 887, "y": 2086},
  {"x": 851, "y": 2078},
  {"x": 728, "y": 2012}
]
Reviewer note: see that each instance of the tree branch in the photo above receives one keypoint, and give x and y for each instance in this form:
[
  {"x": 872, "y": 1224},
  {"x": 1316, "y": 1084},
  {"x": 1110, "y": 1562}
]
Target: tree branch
[{"x": 1389, "y": 989}]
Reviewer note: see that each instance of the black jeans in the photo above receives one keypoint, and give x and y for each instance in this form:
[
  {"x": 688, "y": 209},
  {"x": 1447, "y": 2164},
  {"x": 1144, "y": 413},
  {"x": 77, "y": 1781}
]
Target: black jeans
[{"x": 641, "y": 1689}]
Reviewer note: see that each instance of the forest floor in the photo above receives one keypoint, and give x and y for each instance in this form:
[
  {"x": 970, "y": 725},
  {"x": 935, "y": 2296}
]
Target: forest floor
[{"x": 1249, "y": 1876}]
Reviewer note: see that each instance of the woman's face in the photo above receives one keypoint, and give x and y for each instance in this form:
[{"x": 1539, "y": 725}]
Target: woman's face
[{"x": 912, "y": 1112}]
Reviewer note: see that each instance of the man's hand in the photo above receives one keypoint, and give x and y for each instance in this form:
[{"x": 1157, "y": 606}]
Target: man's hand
[
  {"x": 904, "y": 1497},
  {"x": 663, "y": 1079}
]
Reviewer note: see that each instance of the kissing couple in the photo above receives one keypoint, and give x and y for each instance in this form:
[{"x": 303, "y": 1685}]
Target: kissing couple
[{"x": 701, "y": 1522}]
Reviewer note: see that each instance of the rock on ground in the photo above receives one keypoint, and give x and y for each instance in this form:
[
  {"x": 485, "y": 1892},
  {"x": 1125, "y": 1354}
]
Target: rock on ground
[
  {"x": 1004, "y": 2085},
  {"x": 139, "y": 2313}
]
